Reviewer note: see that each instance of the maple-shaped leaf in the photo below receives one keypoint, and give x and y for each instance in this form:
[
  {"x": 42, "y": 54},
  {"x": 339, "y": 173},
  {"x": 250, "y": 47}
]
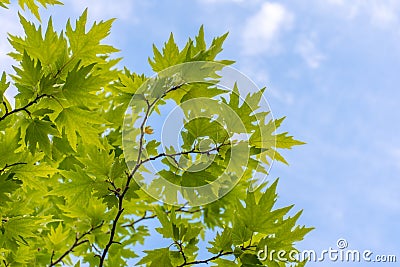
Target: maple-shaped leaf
[
  {"x": 222, "y": 242},
  {"x": 33, "y": 6},
  {"x": 34, "y": 173},
  {"x": 98, "y": 162},
  {"x": 3, "y": 86},
  {"x": 167, "y": 229},
  {"x": 7, "y": 186},
  {"x": 157, "y": 258},
  {"x": 283, "y": 140},
  {"x": 50, "y": 49},
  {"x": 57, "y": 237},
  {"x": 10, "y": 146},
  {"x": 38, "y": 133},
  {"x": 77, "y": 188},
  {"x": 81, "y": 86},
  {"x": 27, "y": 78},
  {"x": 170, "y": 55},
  {"x": 246, "y": 109},
  {"x": 257, "y": 215},
  {"x": 20, "y": 228},
  {"x": 85, "y": 46},
  {"x": 74, "y": 121}
]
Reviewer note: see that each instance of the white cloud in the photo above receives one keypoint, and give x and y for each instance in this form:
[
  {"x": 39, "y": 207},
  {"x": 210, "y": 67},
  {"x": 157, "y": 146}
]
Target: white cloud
[
  {"x": 262, "y": 31},
  {"x": 309, "y": 52},
  {"x": 104, "y": 9},
  {"x": 382, "y": 13}
]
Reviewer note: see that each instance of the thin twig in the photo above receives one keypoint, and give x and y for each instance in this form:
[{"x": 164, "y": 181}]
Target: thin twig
[
  {"x": 24, "y": 108},
  {"x": 192, "y": 151},
  {"x": 78, "y": 241},
  {"x": 11, "y": 165},
  {"x": 130, "y": 176},
  {"x": 145, "y": 217},
  {"x": 180, "y": 247},
  {"x": 219, "y": 255},
  {"x": 125, "y": 190}
]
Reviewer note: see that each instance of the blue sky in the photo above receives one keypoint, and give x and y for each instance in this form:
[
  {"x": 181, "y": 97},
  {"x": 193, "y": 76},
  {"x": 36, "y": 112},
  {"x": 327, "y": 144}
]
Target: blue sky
[{"x": 330, "y": 66}]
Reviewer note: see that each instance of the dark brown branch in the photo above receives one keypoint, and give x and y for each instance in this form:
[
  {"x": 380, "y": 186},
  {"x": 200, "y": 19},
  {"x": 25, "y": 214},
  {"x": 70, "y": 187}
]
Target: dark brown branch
[
  {"x": 206, "y": 261},
  {"x": 78, "y": 241},
  {"x": 130, "y": 176},
  {"x": 192, "y": 151},
  {"x": 11, "y": 165},
  {"x": 180, "y": 247},
  {"x": 5, "y": 106},
  {"x": 24, "y": 108},
  {"x": 125, "y": 190},
  {"x": 219, "y": 255},
  {"x": 145, "y": 217}
]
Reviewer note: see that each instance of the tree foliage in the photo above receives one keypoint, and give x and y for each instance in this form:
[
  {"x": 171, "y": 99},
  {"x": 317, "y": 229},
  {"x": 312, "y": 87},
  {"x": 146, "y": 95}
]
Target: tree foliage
[{"x": 71, "y": 184}]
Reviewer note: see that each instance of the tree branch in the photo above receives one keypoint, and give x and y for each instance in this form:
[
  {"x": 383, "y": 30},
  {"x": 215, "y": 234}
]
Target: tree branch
[
  {"x": 125, "y": 190},
  {"x": 130, "y": 176},
  {"x": 219, "y": 255},
  {"x": 11, "y": 165},
  {"x": 192, "y": 151},
  {"x": 24, "y": 108},
  {"x": 145, "y": 217},
  {"x": 180, "y": 247},
  {"x": 78, "y": 241}
]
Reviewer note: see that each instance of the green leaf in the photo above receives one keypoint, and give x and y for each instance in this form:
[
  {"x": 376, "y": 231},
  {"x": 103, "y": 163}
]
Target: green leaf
[
  {"x": 4, "y": 3},
  {"x": 204, "y": 127},
  {"x": 250, "y": 260},
  {"x": 240, "y": 233},
  {"x": 224, "y": 263},
  {"x": 34, "y": 8},
  {"x": 3, "y": 86},
  {"x": 57, "y": 237},
  {"x": 167, "y": 229},
  {"x": 32, "y": 175},
  {"x": 151, "y": 148},
  {"x": 157, "y": 258},
  {"x": 50, "y": 50},
  {"x": 85, "y": 46},
  {"x": 222, "y": 242},
  {"x": 21, "y": 227},
  {"x": 75, "y": 121},
  {"x": 81, "y": 86},
  {"x": 7, "y": 186},
  {"x": 283, "y": 140},
  {"x": 170, "y": 56},
  {"x": 27, "y": 78},
  {"x": 77, "y": 188},
  {"x": 38, "y": 133},
  {"x": 98, "y": 162}
]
